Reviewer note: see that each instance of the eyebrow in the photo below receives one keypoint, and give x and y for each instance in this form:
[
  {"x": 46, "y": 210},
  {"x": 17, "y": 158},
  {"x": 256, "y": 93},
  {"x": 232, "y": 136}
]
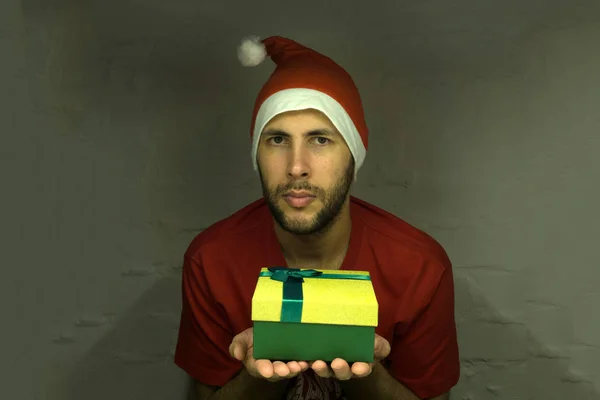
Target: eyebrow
[{"x": 314, "y": 132}]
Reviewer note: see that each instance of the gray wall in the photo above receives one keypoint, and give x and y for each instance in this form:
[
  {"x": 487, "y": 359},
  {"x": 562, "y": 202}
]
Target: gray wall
[{"x": 125, "y": 132}]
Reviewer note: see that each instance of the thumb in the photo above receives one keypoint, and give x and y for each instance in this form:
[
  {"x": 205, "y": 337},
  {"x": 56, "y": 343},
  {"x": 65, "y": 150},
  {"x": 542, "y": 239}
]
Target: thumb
[
  {"x": 240, "y": 344},
  {"x": 238, "y": 348},
  {"x": 382, "y": 347}
]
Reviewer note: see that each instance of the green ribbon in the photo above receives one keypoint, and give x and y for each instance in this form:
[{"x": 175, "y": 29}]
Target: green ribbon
[{"x": 292, "y": 278}]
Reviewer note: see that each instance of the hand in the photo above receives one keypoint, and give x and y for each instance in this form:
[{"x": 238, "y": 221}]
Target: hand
[
  {"x": 241, "y": 349},
  {"x": 341, "y": 370}
]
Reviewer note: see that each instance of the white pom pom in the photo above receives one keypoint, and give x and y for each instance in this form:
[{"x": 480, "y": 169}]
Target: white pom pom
[{"x": 251, "y": 52}]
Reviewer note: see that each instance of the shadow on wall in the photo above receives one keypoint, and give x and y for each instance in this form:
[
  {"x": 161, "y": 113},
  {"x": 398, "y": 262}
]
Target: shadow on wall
[
  {"x": 134, "y": 360},
  {"x": 500, "y": 358}
]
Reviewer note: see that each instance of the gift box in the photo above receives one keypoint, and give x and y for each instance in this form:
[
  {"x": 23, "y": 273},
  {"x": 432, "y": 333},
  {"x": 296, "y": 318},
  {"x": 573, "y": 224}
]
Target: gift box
[{"x": 308, "y": 314}]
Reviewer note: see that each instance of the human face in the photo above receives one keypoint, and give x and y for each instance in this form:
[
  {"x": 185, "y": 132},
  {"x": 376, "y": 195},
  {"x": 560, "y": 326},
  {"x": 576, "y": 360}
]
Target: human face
[{"x": 306, "y": 171}]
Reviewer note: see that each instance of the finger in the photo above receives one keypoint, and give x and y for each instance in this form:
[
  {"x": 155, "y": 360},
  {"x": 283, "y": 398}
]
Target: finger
[
  {"x": 280, "y": 369},
  {"x": 321, "y": 369},
  {"x": 361, "y": 369},
  {"x": 381, "y": 347},
  {"x": 303, "y": 365},
  {"x": 240, "y": 344},
  {"x": 248, "y": 336},
  {"x": 264, "y": 368},
  {"x": 294, "y": 367},
  {"x": 237, "y": 349},
  {"x": 341, "y": 369}
]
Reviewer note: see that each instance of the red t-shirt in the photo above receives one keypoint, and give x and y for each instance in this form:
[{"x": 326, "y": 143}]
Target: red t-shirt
[{"x": 410, "y": 272}]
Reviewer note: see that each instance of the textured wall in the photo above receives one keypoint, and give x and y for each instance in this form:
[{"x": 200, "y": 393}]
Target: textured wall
[{"x": 125, "y": 132}]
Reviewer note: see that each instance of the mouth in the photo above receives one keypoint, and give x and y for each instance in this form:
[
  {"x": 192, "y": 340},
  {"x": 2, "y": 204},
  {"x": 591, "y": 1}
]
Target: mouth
[{"x": 299, "y": 199}]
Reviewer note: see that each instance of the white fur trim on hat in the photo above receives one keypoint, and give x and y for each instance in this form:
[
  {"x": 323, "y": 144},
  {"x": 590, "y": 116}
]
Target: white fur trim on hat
[{"x": 302, "y": 99}]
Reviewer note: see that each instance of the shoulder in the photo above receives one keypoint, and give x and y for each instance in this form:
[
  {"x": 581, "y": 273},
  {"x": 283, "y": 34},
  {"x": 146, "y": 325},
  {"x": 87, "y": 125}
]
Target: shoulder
[
  {"x": 237, "y": 229},
  {"x": 389, "y": 233},
  {"x": 408, "y": 265}
]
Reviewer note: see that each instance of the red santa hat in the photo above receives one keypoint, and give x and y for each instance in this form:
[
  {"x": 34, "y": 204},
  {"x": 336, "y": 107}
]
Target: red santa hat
[{"x": 303, "y": 79}]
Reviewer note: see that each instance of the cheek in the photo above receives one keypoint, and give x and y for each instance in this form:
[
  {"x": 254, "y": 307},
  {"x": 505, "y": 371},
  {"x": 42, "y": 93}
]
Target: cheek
[
  {"x": 272, "y": 175},
  {"x": 328, "y": 169},
  {"x": 266, "y": 162},
  {"x": 334, "y": 176},
  {"x": 270, "y": 159}
]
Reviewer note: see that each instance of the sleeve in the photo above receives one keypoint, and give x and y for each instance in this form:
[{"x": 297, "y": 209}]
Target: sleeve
[
  {"x": 204, "y": 337},
  {"x": 425, "y": 358}
]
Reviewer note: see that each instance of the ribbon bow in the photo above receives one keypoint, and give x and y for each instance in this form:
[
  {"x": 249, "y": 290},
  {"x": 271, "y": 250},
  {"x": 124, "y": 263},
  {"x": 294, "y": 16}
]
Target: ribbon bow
[{"x": 283, "y": 274}]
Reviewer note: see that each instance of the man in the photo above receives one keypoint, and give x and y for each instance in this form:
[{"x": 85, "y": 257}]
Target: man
[{"x": 309, "y": 139}]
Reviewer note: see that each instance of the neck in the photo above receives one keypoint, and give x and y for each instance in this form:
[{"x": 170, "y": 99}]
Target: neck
[{"x": 325, "y": 250}]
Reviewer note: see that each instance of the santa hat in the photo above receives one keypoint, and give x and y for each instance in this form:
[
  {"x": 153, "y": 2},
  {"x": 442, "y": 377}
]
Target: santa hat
[{"x": 303, "y": 79}]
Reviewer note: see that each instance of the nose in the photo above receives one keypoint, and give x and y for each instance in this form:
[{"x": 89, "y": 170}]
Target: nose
[{"x": 298, "y": 167}]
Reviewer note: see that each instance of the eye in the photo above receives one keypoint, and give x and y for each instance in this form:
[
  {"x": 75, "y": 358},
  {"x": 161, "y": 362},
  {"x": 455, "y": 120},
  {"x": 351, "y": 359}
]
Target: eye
[
  {"x": 322, "y": 140},
  {"x": 277, "y": 139}
]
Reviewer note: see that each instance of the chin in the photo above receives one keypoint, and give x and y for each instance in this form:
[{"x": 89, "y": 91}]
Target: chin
[
  {"x": 301, "y": 216},
  {"x": 299, "y": 227},
  {"x": 298, "y": 217}
]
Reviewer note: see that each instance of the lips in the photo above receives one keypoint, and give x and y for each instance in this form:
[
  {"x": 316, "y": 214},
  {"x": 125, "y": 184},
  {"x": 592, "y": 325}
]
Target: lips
[{"x": 299, "y": 199}]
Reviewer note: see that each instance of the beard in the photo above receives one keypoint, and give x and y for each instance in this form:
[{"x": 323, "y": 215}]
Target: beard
[{"x": 333, "y": 201}]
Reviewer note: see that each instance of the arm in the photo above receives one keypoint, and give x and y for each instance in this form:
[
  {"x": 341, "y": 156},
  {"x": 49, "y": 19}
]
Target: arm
[
  {"x": 203, "y": 346},
  {"x": 204, "y": 338},
  {"x": 243, "y": 386}
]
